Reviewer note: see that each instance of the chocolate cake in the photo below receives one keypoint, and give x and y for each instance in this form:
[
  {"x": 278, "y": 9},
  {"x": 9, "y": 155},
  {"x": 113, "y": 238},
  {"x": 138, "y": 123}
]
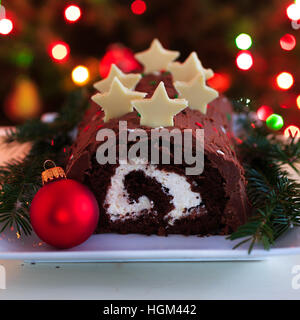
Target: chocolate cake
[{"x": 147, "y": 198}]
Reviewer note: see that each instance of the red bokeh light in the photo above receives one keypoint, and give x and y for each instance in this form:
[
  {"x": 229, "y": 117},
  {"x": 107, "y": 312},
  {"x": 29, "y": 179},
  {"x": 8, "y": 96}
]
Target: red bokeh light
[
  {"x": 288, "y": 42},
  {"x": 6, "y": 26},
  {"x": 120, "y": 56},
  {"x": 264, "y": 112},
  {"x": 244, "y": 60},
  {"x": 293, "y": 11},
  {"x": 138, "y": 7},
  {"x": 59, "y": 51},
  {"x": 220, "y": 81},
  {"x": 72, "y": 13}
]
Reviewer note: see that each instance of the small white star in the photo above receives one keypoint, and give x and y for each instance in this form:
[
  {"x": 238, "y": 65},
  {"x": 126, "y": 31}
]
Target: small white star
[
  {"x": 196, "y": 92},
  {"x": 187, "y": 70},
  {"x": 128, "y": 80},
  {"x": 156, "y": 58},
  {"x": 117, "y": 101},
  {"x": 159, "y": 110}
]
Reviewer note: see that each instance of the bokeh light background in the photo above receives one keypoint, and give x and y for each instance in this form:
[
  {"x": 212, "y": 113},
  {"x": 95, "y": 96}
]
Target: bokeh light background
[{"x": 51, "y": 47}]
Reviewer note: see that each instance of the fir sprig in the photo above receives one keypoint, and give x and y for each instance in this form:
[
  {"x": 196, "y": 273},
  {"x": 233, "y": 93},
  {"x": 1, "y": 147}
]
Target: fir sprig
[
  {"x": 68, "y": 118},
  {"x": 276, "y": 207},
  {"x": 275, "y": 198},
  {"x": 20, "y": 180}
]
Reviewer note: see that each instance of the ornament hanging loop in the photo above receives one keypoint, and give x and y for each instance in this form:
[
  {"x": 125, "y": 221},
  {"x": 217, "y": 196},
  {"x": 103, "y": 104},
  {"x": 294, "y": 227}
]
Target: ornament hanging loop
[
  {"x": 53, "y": 173},
  {"x": 50, "y": 162}
]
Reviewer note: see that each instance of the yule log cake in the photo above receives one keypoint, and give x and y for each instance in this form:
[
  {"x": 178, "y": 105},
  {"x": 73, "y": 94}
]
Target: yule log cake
[{"x": 137, "y": 196}]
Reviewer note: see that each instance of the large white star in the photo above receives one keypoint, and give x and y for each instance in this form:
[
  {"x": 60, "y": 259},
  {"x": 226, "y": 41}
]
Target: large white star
[
  {"x": 159, "y": 110},
  {"x": 187, "y": 70},
  {"x": 196, "y": 92},
  {"x": 128, "y": 80},
  {"x": 156, "y": 58},
  {"x": 117, "y": 101}
]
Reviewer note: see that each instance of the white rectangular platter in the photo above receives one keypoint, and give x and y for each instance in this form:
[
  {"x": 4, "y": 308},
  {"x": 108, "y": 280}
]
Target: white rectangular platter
[{"x": 134, "y": 247}]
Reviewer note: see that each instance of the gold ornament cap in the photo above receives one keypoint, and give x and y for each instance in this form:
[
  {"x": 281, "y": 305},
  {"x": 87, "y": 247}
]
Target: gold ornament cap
[{"x": 52, "y": 174}]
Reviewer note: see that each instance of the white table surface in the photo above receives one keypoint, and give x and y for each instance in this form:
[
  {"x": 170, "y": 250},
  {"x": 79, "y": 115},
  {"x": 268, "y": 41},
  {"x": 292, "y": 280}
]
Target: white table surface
[{"x": 269, "y": 279}]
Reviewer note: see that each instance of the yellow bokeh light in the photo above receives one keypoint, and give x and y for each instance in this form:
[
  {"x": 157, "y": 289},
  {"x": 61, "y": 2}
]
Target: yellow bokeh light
[
  {"x": 298, "y": 101},
  {"x": 80, "y": 75},
  {"x": 292, "y": 131},
  {"x": 285, "y": 80}
]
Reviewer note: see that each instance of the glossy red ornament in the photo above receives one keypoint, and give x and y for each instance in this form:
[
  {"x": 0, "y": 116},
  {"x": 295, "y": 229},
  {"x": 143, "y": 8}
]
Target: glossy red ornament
[{"x": 64, "y": 213}]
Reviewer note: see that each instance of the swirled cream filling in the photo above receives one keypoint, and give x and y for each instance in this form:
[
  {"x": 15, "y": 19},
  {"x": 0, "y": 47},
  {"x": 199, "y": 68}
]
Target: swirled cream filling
[{"x": 120, "y": 207}]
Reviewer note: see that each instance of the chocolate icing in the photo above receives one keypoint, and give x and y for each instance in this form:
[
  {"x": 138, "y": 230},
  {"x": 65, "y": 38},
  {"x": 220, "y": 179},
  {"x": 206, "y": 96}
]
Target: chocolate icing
[{"x": 222, "y": 184}]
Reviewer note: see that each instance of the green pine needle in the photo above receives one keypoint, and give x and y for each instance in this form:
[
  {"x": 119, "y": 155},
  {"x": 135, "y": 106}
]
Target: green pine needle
[
  {"x": 20, "y": 180},
  {"x": 275, "y": 197}
]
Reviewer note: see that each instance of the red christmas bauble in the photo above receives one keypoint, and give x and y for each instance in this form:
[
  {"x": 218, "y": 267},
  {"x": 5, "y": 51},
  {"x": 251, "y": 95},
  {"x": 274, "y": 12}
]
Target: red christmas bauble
[{"x": 64, "y": 213}]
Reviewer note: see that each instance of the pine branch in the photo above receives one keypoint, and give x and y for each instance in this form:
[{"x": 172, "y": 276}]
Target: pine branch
[
  {"x": 67, "y": 119},
  {"x": 258, "y": 143},
  {"x": 274, "y": 196},
  {"x": 276, "y": 202},
  {"x": 18, "y": 185},
  {"x": 20, "y": 180}
]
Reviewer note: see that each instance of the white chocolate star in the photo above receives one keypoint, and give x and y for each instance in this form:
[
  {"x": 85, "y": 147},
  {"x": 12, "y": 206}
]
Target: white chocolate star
[
  {"x": 159, "y": 110},
  {"x": 156, "y": 58},
  {"x": 117, "y": 101},
  {"x": 128, "y": 80},
  {"x": 196, "y": 92},
  {"x": 187, "y": 70}
]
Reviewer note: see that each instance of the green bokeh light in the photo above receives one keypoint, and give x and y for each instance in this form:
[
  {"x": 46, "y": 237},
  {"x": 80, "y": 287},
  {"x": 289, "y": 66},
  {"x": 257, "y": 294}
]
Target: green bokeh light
[
  {"x": 23, "y": 58},
  {"x": 275, "y": 121},
  {"x": 243, "y": 41}
]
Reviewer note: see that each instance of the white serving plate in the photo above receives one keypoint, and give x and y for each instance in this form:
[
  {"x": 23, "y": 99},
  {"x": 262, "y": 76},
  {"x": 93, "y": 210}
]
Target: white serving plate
[{"x": 134, "y": 247}]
